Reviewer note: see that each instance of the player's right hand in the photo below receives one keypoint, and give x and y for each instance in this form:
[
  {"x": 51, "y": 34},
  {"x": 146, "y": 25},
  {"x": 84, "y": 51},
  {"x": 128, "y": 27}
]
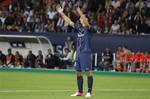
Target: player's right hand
[{"x": 59, "y": 9}]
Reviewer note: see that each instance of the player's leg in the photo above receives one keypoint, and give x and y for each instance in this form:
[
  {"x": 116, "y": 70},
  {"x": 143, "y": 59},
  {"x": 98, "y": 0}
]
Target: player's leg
[
  {"x": 90, "y": 80},
  {"x": 90, "y": 83},
  {"x": 79, "y": 78},
  {"x": 86, "y": 64},
  {"x": 80, "y": 81},
  {"x": 79, "y": 84}
]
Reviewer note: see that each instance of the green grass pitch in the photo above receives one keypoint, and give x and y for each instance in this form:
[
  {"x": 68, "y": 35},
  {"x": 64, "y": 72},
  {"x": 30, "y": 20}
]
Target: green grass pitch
[{"x": 35, "y": 85}]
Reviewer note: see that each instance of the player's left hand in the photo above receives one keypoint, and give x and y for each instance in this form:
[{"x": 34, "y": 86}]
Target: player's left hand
[{"x": 79, "y": 11}]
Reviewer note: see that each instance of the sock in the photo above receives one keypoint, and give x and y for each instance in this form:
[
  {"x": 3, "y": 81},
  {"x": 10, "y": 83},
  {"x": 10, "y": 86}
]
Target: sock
[
  {"x": 90, "y": 83},
  {"x": 80, "y": 83}
]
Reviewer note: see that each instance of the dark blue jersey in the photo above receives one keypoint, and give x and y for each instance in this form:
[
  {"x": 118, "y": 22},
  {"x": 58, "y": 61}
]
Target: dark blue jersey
[{"x": 83, "y": 41}]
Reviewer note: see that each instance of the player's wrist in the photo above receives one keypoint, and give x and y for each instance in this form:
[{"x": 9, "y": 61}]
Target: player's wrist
[
  {"x": 62, "y": 14},
  {"x": 61, "y": 11}
]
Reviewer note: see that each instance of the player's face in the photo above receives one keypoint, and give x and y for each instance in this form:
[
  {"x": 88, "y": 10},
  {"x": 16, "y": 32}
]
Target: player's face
[{"x": 81, "y": 21}]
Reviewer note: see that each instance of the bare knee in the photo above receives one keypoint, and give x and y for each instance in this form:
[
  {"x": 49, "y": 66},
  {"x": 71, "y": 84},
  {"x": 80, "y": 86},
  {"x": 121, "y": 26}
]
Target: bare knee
[
  {"x": 79, "y": 73},
  {"x": 89, "y": 73}
]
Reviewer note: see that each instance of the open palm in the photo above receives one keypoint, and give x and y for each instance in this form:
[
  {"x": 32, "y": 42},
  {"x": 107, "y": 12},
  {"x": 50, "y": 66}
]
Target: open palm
[{"x": 59, "y": 9}]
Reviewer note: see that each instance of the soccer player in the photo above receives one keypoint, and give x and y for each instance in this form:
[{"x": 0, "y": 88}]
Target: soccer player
[{"x": 83, "y": 54}]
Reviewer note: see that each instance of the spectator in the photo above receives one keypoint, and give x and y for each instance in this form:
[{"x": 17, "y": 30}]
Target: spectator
[
  {"x": 115, "y": 28},
  {"x": 148, "y": 63},
  {"x": 68, "y": 43},
  {"x": 50, "y": 26},
  {"x": 94, "y": 4},
  {"x": 147, "y": 22},
  {"x": 18, "y": 60},
  {"x": 143, "y": 27},
  {"x": 2, "y": 59},
  {"x": 118, "y": 59},
  {"x": 124, "y": 29},
  {"x": 39, "y": 59},
  {"x": 107, "y": 58},
  {"x": 106, "y": 27},
  {"x": 99, "y": 30},
  {"x": 2, "y": 20},
  {"x": 143, "y": 64},
  {"x": 60, "y": 24},
  {"x": 139, "y": 4},
  {"x": 137, "y": 20},
  {"x": 108, "y": 4},
  {"x": 9, "y": 20},
  {"x": 136, "y": 60},
  {"x": 67, "y": 58},
  {"x": 31, "y": 58},
  {"x": 101, "y": 19},
  {"x": 51, "y": 13},
  {"x": 126, "y": 58},
  {"x": 85, "y": 5},
  {"x": 10, "y": 59},
  {"x": 116, "y": 3},
  {"x": 50, "y": 60}
]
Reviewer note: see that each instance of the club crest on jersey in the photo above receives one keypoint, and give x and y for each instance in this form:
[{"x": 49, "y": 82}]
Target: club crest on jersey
[{"x": 80, "y": 34}]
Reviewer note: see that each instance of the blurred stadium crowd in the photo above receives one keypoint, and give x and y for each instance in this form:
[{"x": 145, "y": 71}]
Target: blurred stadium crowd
[{"x": 105, "y": 16}]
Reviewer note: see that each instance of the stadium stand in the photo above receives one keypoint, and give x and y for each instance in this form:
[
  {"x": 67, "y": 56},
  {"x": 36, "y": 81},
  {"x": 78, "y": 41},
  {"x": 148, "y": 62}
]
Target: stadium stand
[
  {"x": 105, "y": 16},
  {"x": 119, "y": 17},
  {"x": 4, "y": 3}
]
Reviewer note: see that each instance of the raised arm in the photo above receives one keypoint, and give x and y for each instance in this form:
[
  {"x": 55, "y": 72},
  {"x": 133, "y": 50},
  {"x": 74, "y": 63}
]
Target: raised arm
[
  {"x": 67, "y": 19},
  {"x": 83, "y": 17}
]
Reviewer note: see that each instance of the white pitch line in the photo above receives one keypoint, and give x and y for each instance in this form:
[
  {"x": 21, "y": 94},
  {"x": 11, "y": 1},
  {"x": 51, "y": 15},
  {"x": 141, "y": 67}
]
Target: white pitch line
[
  {"x": 26, "y": 91},
  {"x": 98, "y": 90},
  {"x": 119, "y": 90}
]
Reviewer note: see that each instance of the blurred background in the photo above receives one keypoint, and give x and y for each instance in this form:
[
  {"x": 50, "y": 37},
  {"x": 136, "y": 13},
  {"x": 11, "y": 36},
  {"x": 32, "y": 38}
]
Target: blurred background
[{"x": 119, "y": 34}]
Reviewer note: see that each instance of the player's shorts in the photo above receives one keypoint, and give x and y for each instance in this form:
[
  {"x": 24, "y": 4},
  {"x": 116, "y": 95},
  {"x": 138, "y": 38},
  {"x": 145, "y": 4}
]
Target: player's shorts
[{"x": 83, "y": 62}]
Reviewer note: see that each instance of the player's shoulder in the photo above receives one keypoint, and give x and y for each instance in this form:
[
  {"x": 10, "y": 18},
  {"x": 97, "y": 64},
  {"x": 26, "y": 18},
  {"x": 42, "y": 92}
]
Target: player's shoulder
[{"x": 77, "y": 24}]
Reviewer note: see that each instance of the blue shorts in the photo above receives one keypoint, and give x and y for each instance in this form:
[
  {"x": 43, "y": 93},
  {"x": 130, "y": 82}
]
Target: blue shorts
[{"x": 83, "y": 62}]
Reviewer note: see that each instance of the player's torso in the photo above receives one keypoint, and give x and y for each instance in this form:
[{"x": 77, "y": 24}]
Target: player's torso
[{"x": 83, "y": 42}]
